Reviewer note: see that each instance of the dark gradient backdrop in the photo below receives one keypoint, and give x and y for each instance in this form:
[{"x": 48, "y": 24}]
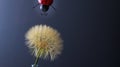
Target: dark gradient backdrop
[{"x": 89, "y": 28}]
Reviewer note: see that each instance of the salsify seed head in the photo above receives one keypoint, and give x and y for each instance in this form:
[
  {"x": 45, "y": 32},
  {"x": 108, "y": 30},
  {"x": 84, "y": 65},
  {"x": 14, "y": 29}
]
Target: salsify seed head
[{"x": 44, "y": 40}]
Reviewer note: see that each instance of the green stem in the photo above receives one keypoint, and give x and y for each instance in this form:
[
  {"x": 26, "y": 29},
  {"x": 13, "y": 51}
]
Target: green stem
[{"x": 37, "y": 58}]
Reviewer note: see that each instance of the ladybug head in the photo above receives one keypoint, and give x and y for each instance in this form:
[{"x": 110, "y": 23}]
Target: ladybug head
[{"x": 44, "y": 8}]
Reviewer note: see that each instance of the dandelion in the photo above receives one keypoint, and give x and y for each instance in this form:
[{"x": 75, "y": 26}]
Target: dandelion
[{"x": 44, "y": 42}]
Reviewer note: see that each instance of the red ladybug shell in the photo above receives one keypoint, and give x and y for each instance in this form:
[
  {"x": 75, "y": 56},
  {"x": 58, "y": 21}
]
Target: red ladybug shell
[{"x": 45, "y": 2}]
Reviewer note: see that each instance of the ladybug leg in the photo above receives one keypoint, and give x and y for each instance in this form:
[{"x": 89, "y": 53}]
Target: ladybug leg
[
  {"x": 53, "y": 7},
  {"x": 44, "y": 13},
  {"x": 35, "y": 5}
]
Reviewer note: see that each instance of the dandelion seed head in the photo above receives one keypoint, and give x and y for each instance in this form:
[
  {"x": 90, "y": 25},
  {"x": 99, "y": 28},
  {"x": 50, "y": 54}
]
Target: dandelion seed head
[{"x": 44, "y": 39}]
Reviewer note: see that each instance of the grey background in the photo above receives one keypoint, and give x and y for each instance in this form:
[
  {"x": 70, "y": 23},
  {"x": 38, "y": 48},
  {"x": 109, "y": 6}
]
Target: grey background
[{"x": 89, "y": 28}]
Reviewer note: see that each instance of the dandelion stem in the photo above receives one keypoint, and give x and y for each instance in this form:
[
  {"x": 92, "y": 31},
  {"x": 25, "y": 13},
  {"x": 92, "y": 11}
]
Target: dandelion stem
[{"x": 37, "y": 58}]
